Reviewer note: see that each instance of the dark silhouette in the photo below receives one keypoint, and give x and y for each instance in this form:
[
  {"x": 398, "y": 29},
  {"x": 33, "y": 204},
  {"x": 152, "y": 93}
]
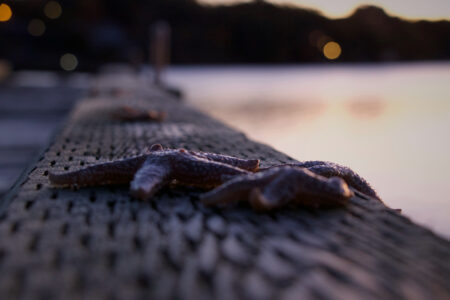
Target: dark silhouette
[{"x": 99, "y": 31}]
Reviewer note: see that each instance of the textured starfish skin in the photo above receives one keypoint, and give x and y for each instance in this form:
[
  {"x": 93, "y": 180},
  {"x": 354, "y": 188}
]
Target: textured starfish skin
[
  {"x": 279, "y": 186},
  {"x": 149, "y": 172},
  {"x": 118, "y": 172},
  {"x": 329, "y": 169},
  {"x": 128, "y": 113}
]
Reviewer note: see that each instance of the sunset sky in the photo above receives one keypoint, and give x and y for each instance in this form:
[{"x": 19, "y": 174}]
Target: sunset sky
[{"x": 411, "y": 9}]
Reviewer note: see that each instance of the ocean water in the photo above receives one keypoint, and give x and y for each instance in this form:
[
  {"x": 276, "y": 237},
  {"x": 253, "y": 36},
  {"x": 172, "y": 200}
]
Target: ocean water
[{"x": 389, "y": 122}]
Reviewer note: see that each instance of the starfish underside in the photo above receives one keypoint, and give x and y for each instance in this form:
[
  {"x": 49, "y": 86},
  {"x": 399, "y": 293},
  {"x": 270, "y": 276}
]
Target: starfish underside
[{"x": 150, "y": 172}]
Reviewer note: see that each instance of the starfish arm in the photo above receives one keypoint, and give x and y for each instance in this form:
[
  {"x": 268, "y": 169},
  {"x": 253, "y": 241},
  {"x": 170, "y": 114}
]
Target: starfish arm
[
  {"x": 300, "y": 186},
  {"x": 149, "y": 179},
  {"x": 276, "y": 194},
  {"x": 353, "y": 179},
  {"x": 196, "y": 171},
  {"x": 251, "y": 165},
  {"x": 310, "y": 163},
  {"x": 155, "y": 147},
  {"x": 118, "y": 172},
  {"x": 304, "y": 164},
  {"x": 237, "y": 189},
  {"x": 228, "y": 193}
]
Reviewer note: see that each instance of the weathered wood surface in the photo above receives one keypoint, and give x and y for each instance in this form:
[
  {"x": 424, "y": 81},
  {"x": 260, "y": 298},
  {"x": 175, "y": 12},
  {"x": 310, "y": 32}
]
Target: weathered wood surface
[
  {"x": 28, "y": 118},
  {"x": 99, "y": 243}
]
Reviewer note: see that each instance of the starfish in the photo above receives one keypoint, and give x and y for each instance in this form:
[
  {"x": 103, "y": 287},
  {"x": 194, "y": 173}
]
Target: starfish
[
  {"x": 330, "y": 169},
  {"x": 148, "y": 173},
  {"x": 128, "y": 113},
  {"x": 312, "y": 183},
  {"x": 279, "y": 186}
]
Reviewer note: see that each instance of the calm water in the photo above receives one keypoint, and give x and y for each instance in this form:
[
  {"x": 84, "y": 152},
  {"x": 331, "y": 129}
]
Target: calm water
[{"x": 390, "y": 123}]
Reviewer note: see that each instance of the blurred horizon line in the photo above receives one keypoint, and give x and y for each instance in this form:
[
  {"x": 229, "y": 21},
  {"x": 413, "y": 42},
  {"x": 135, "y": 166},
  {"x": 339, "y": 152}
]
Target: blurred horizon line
[
  {"x": 83, "y": 37},
  {"x": 322, "y": 10}
]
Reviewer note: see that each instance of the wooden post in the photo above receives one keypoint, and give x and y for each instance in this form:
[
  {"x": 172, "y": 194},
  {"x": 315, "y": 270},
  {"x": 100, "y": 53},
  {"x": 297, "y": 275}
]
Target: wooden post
[{"x": 159, "y": 49}]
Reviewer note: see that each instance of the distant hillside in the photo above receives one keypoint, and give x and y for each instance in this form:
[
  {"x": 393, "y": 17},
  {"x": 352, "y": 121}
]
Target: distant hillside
[{"x": 255, "y": 32}]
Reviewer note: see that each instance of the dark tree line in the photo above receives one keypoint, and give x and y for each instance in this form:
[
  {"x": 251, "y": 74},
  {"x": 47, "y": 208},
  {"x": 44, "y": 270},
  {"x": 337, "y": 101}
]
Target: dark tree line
[{"x": 98, "y": 31}]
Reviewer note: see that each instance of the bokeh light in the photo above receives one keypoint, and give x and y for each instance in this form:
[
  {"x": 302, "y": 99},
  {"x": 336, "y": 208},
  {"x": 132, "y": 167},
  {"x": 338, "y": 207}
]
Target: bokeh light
[
  {"x": 36, "y": 27},
  {"x": 53, "y": 10},
  {"x": 332, "y": 50},
  {"x": 322, "y": 41},
  {"x": 68, "y": 62},
  {"x": 5, "y": 69},
  {"x": 5, "y": 12}
]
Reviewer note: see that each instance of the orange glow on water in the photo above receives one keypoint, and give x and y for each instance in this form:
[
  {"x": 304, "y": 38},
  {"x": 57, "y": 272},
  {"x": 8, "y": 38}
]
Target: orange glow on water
[
  {"x": 332, "y": 50},
  {"x": 5, "y": 12}
]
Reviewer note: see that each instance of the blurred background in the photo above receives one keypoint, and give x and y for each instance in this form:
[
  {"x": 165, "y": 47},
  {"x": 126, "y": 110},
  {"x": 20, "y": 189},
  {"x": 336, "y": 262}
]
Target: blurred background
[{"x": 361, "y": 83}]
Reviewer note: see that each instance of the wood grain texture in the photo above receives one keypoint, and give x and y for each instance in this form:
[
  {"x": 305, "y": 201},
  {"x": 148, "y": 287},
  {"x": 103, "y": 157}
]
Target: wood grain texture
[{"x": 99, "y": 243}]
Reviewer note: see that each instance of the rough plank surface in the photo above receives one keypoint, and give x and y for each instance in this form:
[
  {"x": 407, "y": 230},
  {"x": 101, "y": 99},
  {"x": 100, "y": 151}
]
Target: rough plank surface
[
  {"x": 99, "y": 243},
  {"x": 28, "y": 118}
]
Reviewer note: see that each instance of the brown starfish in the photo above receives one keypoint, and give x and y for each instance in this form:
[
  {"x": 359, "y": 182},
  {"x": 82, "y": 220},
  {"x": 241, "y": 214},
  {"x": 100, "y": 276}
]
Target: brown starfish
[
  {"x": 128, "y": 113},
  {"x": 279, "y": 186},
  {"x": 329, "y": 169},
  {"x": 311, "y": 183},
  {"x": 150, "y": 172}
]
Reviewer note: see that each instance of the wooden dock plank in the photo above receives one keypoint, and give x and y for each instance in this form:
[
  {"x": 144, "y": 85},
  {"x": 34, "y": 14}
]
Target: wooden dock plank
[
  {"x": 28, "y": 118},
  {"x": 99, "y": 243}
]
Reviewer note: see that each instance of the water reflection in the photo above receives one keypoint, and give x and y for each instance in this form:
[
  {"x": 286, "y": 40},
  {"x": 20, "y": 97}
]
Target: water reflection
[
  {"x": 388, "y": 123},
  {"x": 366, "y": 107},
  {"x": 263, "y": 117}
]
